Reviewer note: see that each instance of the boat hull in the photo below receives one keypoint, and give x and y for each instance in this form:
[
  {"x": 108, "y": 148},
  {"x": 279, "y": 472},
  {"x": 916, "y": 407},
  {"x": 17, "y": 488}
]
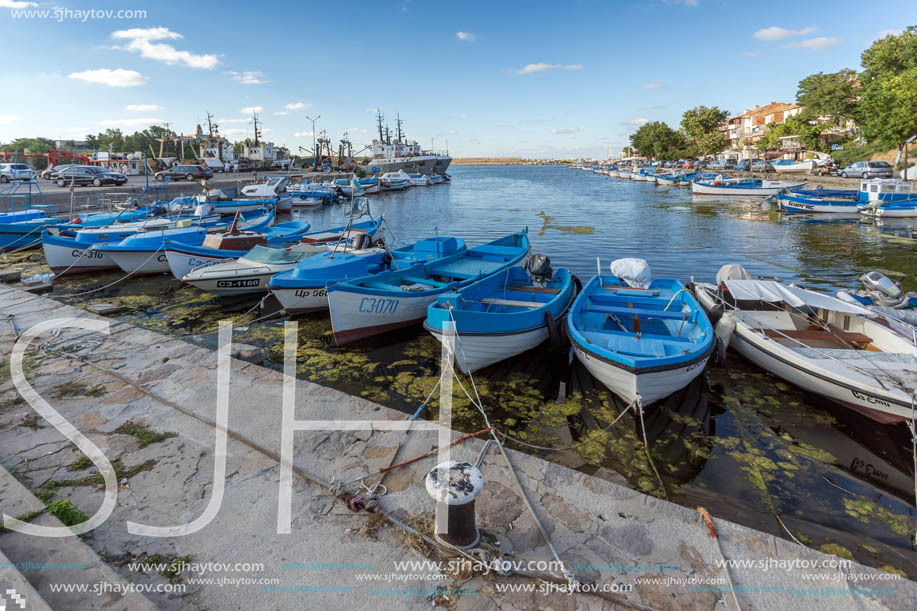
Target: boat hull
[
  {"x": 356, "y": 316},
  {"x": 650, "y": 386},
  {"x": 795, "y": 205},
  {"x": 302, "y": 300},
  {"x": 241, "y": 284},
  {"x": 182, "y": 263},
  {"x": 765, "y": 191},
  {"x": 140, "y": 262},
  {"x": 66, "y": 257},
  {"x": 474, "y": 351}
]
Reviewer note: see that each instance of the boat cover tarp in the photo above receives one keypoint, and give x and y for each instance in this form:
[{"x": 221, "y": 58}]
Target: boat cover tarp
[
  {"x": 777, "y": 292},
  {"x": 732, "y": 271},
  {"x": 635, "y": 272}
]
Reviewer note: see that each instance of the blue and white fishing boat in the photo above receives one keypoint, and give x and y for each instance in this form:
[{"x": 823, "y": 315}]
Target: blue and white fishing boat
[
  {"x": 143, "y": 253},
  {"x": 21, "y": 229},
  {"x": 791, "y": 166},
  {"x": 371, "y": 185},
  {"x": 420, "y": 180},
  {"x": 643, "y": 339},
  {"x": 67, "y": 248},
  {"x": 395, "y": 181},
  {"x": 304, "y": 288},
  {"x": 504, "y": 314},
  {"x": 746, "y": 187},
  {"x": 368, "y": 306},
  {"x": 185, "y": 258},
  {"x": 844, "y": 201}
]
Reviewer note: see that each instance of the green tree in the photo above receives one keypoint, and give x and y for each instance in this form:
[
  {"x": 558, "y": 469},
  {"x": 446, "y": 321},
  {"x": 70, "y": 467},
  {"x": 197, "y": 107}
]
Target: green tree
[
  {"x": 889, "y": 56},
  {"x": 834, "y": 94},
  {"x": 702, "y": 120},
  {"x": 656, "y": 139},
  {"x": 887, "y": 110},
  {"x": 712, "y": 143}
]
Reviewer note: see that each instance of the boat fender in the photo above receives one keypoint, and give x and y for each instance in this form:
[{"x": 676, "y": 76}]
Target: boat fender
[
  {"x": 725, "y": 327},
  {"x": 556, "y": 337},
  {"x": 76, "y": 221}
]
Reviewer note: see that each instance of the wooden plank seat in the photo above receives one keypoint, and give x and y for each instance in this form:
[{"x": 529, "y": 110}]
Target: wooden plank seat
[
  {"x": 818, "y": 334},
  {"x": 511, "y": 303},
  {"x": 670, "y": 315},
  {"x": 535, "y": 289},
  {"x": 615, "y": 289},
  {"x": 466, "y": 268},
  {"x": 419, "y": 280}
]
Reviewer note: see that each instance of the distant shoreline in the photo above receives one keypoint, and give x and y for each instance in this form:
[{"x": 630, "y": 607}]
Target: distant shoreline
[{"x": 489, "y": 161}]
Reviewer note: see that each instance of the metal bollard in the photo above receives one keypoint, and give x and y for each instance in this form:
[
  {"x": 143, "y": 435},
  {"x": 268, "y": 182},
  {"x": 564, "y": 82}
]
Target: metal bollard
[{"x": 454, "y": 486}]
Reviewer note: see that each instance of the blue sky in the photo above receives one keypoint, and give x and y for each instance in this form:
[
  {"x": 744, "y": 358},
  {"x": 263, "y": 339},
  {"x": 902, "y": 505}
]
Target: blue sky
[{"x": 499, "y": 78}]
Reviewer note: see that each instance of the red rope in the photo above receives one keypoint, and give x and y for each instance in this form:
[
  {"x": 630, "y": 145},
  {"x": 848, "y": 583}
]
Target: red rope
[{"x": 461, "y": 439}]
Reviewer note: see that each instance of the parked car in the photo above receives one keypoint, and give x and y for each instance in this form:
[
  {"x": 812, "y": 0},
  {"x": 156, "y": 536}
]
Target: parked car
[
  {"x": 81, "y": 175},
  {"x": 828, "y": 168},
  {"x": 16, "y": 171},
  {"x": 743, "y": 166},
  {"x": 729, "y": 164},
  {"x": 762, "y": 166},
  {"x": 868, "y": 169},
  {"x": 719, "y": 164},
  {"x": 188, "y": 172},
  {"x": 52, "y": 172},
  {"x": 688, "y": 163}
]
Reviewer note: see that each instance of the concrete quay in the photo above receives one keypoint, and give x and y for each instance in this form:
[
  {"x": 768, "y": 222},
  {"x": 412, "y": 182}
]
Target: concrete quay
[{"x": 149, "y": 402}]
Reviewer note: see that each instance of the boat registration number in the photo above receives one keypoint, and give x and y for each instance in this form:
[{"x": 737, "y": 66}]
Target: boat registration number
[
  {"x": 378, "y": 305},
  {"x": 310, "y": 293},
  {"x": 87, "y": 254},
  {"x": 233, "y": 284}
]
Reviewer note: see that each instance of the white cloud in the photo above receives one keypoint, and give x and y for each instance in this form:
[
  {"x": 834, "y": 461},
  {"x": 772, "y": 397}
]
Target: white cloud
[
  {"x": 653, "y": 85},
  {"x": 303, "y": 134},
  {"x": 243, "y": 120},
  {"x": 112, "y": 78},
  {"x": 297, "y": 106},
  {"x": 142, "y": 122},
  {"x": 252, "y": 109},
  {"x": 142, "y": 107},
  {"x": 777, "y": 33},
  {"x": 235, "y": 131},
  {"x": 637, "y": 122},
  {"x": 540, "y": 67},
  {"x": 565, "y": 130},
  {"x": 249, "y": 77},
  {"x": 462, "y": 116},
  {"x": 890, "y": 32},
  {"x": 141, "y": 40},
  {"x": 281, "y": 113},
  {"x": 7, "y": 119},
  {"x": 814, "y": 44},
  {"x": 16, "y": 4},
  {"x": 466, "y": 36}
]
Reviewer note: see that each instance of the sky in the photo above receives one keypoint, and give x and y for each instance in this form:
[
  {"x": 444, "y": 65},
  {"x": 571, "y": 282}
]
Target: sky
[{"x": 542, "y": 79}]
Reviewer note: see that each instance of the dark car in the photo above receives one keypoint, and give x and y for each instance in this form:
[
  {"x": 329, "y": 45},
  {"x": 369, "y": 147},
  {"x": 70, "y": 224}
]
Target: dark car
[
  {"x": 743, "y": 166},
  {"x": 89, "y": 175},
  {"x": 52, "y": 173},
  {"x": 762, "y": 166},
  {"x": 188, "y": 172},
  {"x": 868, "y": 169}
]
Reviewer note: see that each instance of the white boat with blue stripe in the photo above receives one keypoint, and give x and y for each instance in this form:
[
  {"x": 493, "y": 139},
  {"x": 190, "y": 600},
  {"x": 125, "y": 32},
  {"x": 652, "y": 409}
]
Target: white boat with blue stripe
[
  {"x": 504, "y": 314},
  {"x": 643, "y": 342},
  {"x": 368, "y": 306}
]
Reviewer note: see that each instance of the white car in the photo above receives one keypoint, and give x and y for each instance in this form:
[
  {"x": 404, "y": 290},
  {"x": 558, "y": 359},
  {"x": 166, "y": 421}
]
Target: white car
[{"x": 16, "y": 171}]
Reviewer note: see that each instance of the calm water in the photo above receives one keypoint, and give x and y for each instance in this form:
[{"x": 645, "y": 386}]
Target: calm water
[{"x": 739, "y": 442}]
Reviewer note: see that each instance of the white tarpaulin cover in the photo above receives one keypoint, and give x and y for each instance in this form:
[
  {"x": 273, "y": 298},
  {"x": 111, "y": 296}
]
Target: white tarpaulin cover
[
  {"x": 732, "y": 271},
  {"x": 635, "y": 272},
  {"x": 777, "y": 292}
]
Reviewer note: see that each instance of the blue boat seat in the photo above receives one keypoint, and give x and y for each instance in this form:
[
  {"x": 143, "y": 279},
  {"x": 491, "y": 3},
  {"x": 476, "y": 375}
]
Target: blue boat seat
[
  {"x": 626, "y": 344},
  {"x": 420, "y": 280},
  {"x": 640, "y": 312},
  {"x": 491, "y": 249},
  {"x": 466, "y": 268}
]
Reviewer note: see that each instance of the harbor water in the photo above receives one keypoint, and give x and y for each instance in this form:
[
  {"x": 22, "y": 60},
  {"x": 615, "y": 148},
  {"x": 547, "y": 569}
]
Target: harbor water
[{"x": 740, "y": 442}]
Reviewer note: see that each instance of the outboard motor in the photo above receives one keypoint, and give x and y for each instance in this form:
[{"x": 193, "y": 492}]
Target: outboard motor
[
  {"x": 360, "y": 241},
  {"x": 882, "y": 287},
  {"x": 539, "y": 268}
]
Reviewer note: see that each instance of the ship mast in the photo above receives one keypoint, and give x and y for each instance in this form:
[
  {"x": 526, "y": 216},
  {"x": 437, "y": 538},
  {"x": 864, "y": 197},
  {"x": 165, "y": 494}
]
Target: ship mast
[
  {"x": 398, "y": 128},
  {"x": 379, "y": 124},
  {"x": 257, "y": 131}
]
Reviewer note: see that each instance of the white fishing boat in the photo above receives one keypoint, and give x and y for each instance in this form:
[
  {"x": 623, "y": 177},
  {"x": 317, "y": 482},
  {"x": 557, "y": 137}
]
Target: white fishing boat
[
  {"x": 273, "y": 187},
  {"x": 419, "y": 180},
  {"x": 819, "y": 343},
  {"x": 746, "y": 187},
  {"x": 789, "y": 166},
  {"x": 395, "y": 181}
]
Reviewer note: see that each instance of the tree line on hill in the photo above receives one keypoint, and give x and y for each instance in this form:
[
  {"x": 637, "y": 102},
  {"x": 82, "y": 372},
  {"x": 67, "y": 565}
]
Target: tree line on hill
[{"x": 881, "y": 99}]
